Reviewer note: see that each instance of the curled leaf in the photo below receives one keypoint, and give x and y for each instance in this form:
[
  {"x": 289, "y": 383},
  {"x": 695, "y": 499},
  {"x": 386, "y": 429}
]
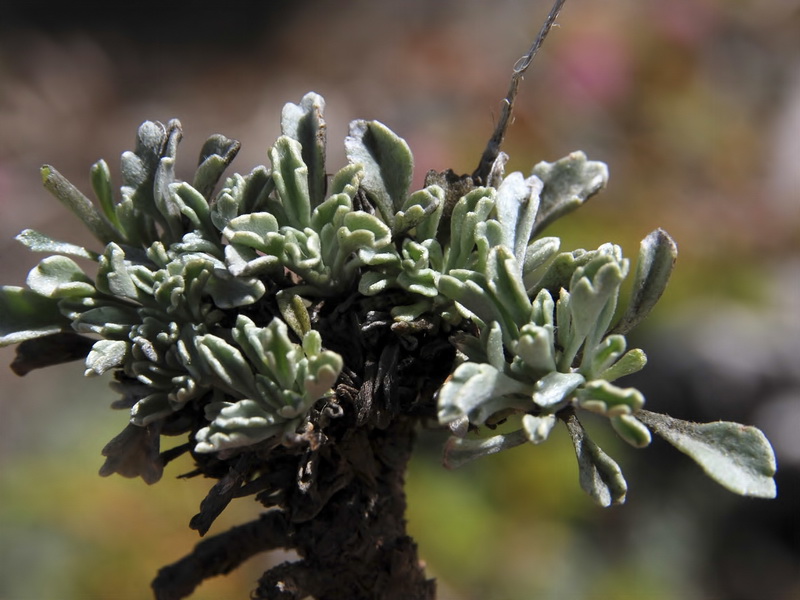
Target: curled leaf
[
  {"x": 657, "y": 255},
  {"x": 600, "y": 476},
  {"x": 387, "y": 161}
]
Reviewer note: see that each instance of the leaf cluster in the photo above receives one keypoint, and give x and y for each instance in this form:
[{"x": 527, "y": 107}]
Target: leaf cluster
[{"x": 202, "y": 303}]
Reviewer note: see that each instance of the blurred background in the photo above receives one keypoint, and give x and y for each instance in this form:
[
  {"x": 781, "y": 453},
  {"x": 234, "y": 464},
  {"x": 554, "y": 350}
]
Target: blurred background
[{"x": 694, "y": 105}]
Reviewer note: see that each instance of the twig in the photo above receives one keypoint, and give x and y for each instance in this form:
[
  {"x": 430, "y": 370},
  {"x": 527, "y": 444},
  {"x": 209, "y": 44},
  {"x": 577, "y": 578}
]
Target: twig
[
  {"x": 221, "y": 554},
  {"x": 481, "y": 174}
]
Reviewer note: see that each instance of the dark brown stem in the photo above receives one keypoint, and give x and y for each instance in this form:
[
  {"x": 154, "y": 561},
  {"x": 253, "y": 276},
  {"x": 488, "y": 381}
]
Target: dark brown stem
[
  {"x": 481, "y": 174},
  {"x": 221, "y": 554},
  {"x": 356, "y": 547}
]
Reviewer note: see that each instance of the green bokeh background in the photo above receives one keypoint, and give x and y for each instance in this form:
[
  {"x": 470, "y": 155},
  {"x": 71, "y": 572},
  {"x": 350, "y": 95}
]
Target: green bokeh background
[{"x": 694, "y": 104}]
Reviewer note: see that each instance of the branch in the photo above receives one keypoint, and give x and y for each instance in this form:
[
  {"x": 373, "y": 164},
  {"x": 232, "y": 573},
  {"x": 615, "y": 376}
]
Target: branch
[
  {"x": 221, "y": 554},
  {"x": 481, "y": 174}
]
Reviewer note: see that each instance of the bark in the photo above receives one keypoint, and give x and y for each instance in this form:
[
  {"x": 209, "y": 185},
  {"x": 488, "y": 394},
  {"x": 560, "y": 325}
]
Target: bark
[
  {"x": 352, "y": 542},
  {"x": 356, "y": 547}
]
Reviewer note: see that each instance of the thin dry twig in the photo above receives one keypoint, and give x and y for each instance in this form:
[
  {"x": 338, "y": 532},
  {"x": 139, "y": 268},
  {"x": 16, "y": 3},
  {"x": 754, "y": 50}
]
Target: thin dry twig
[{"x": 481, "y": 174}]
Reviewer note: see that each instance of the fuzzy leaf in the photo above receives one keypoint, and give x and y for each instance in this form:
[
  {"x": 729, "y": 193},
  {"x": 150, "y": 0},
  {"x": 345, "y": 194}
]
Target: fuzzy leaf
[
  {"x": 293, "y": 310},
  {"x": 568, "y": 183},
  {"x": 59, "y": 277},
  {"x": 737, "y": 457},
  {"x": 38, "y": 242},
  {"x": 303, "y": 122},
  {"x": 237, "y": 424},
  {"x": 538, "y": 253},
  {"x": 631, "y": 362},
  {"x": 80, "y": 205},
  {"x": 600, "y": 476},
  {"x": 473, "y": 385},
  {"x": 101, "y": 184},
  {"x": 25, "y": 315},
  {"x": 290, "y": 175},
  {"x": 388, "y": 165},
  {"x": 538, "y": 429},
  {"x": 555, "y": 387},
  {"x": 459, "y": 451},
  {"x": 516, "y": 203},
  {"x": 606, "y": 398},
  {"x": 217, "y": 153},
  {"x": 227, "y": 363},
  {"x": 657, "y": 255},
  {"x": 105, "y": 355},
  {"x": 631, "y": 430}
]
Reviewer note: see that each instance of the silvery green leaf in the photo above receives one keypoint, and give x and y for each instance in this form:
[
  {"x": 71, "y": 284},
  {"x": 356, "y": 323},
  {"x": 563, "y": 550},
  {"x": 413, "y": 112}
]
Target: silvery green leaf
[
  {"x": 538, "y": 253},
  {"x": 58, "y": 185},
  {"x": 506, "y": 287},
  {"x": 347, "y": 180},
  {"x": 329, "y": 215},
  {"x": 409, "y": 313},
  {"x": 38, "y": 242},
  {"x": 554, "y": 388},
  {"x": 459, "y": 450},
  {"x": 472, "y": 385},
  {"x": 492, "y": 339},
  {"x": 559, "y": 274},
  {"x": 593, "y": 294},
  {"x": 535, "y": 346},
  {"x": 164, "y": 178},
  {"x": 240, "y": 195},
  {"x": 216, "y": 155},
  {"x": 226, "y": 363},
  {"x": 598, "y": 359},
  {"x": 255, "y": 230},
  {"x": 151, "y": 409},
  {"x": 105, "y": 355},
  {"x": 228, "y": 291},
  {"x": 600, "y": 476},
  {"x": 471, "y": 209},
  {"x": 469, "y": 289},
  {"x": 290, "y": 175},
  {"x": 195, "y": 242},
  {"x": 113, "y": 276},
  {"x": 631, "y": 430},
  {"x": 109, "y": 321},
  {"x": 25, "y": 315},
  {"x": 422, "y": 210},
  {"x": 538, "y": 429},
  {"x": 606, "y": 398},
  {"x": 101, "y": 184},
  {"x": 542, "y": 309},
  {"x": 238, "y": 424},
  {"x": 657, "y": 255},
  {"x": 516, "y": 203},
  {"x": 568, "y": 183},
  {"x": 323, "y": 371},
  {"x": 303, "y": 122},
  {"x": 193, "y": 206},
  {"x": 387, "y": 161},
  {"x": 59, "y": 277},
  {"x": 631, "y": 362},
  {"x": 374, "y": 282},
  {"x": 294, "y": 311},
  {"x": 362, "y": 230},
  {"x": 737, "y": 457}
]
